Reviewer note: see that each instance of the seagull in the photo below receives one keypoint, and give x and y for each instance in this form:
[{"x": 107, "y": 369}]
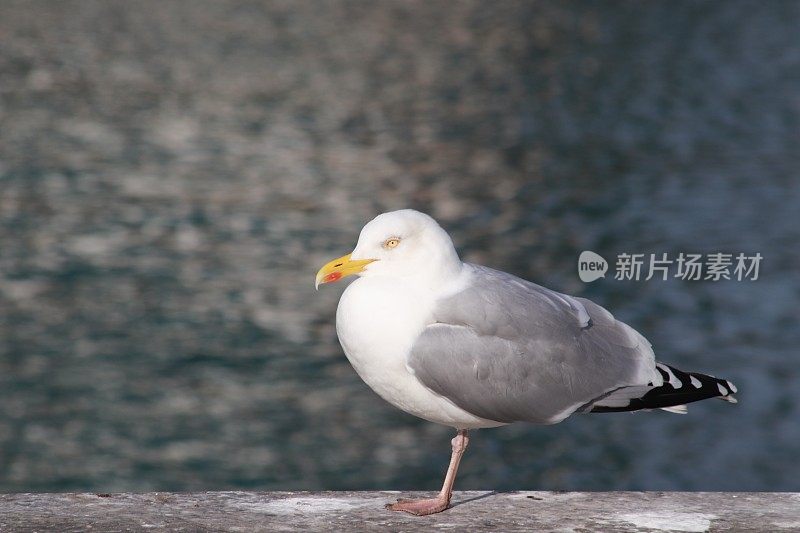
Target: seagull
[{"x": 471, "y": 347}]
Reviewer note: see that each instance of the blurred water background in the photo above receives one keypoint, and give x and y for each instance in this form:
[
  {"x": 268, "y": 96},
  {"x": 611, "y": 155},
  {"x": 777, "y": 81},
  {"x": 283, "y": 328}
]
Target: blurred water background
[{"x": 172, "y": 175}]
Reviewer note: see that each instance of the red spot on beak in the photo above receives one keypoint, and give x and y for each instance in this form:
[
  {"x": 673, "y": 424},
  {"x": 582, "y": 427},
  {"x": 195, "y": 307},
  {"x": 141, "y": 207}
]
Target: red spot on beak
[{"x": 333, "y": 276}]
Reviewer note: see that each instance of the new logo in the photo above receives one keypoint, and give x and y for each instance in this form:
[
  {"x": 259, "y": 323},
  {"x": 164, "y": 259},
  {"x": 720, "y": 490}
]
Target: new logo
[{"x": 591, "y": 266}]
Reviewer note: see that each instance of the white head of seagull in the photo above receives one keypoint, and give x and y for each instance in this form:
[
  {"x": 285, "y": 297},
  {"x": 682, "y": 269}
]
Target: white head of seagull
[{"x": 404, "y": 244}]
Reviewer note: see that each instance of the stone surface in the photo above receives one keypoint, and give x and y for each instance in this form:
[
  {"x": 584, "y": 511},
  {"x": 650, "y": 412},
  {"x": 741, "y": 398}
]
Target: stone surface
[{"x": 347, "y": 511}]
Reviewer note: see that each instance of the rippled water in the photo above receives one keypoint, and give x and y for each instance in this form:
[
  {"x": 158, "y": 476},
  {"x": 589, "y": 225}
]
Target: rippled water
[{"x": 172, "y": 176}]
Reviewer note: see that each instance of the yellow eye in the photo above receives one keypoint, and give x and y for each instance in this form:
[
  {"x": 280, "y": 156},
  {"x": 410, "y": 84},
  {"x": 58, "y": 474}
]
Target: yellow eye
[{"x": 391, "y": 243}]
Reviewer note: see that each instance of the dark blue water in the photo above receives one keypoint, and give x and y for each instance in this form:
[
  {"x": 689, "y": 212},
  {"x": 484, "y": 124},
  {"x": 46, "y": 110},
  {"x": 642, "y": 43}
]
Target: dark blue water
[{"x": 172, "y": 176}]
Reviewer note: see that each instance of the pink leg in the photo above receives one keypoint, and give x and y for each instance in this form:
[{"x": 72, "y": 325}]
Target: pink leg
[{"x": 442, "y": 501}]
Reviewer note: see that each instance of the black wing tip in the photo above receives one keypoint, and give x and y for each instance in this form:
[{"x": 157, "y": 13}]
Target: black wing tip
[{"x": 679, "y": 388}]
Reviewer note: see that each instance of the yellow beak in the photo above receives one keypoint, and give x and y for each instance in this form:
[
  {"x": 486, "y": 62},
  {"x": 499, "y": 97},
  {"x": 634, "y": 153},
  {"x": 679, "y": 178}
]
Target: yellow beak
[{"x": 340, "y": 268}]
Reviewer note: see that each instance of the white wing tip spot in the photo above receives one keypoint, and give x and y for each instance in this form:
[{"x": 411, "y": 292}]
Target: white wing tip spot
[
  {"x": 695, "y": 382},
  {"x": 673, "y": 379},
  {"x": 722, "y": 390},
  {"x": 732, "y": 387}
]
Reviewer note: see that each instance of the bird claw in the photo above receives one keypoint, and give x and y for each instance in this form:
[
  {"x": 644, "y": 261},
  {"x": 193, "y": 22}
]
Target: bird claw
[{"x": 419, "y": 507}]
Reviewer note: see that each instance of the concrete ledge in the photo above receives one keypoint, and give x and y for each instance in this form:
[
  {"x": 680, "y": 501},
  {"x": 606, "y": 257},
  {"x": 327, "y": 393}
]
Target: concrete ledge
[{"x": 472, "y": 511}]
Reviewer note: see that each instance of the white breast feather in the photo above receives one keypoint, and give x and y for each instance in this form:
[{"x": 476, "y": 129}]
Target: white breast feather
[{"x": 377, "y": 321}]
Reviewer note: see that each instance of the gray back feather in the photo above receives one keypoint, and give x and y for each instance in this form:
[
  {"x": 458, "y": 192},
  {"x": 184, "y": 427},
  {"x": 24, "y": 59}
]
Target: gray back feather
[{"x": 506, "y": 349}]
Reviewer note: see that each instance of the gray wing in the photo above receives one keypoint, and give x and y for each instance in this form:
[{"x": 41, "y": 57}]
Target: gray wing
[{"x": 507, "y": 350}]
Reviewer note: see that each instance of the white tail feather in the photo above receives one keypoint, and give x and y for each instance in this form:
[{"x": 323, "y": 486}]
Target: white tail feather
[{"x": 677, "y": 409}]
